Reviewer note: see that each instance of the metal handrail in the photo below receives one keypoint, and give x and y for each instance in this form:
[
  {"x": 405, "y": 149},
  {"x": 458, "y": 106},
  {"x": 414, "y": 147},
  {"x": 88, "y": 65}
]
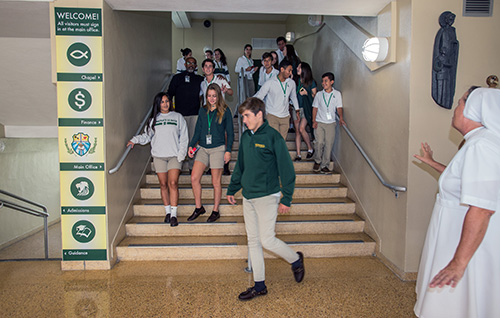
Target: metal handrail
[
  {"x": 394, "y": 188},
  {"x": 243, "y": 92},
  {"x": 141, "y": 126},
  {"x": 30, "y": 211}
]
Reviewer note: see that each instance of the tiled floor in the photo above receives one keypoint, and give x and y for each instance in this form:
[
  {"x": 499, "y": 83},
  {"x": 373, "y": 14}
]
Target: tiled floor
[{"x": 336, "y": 287}]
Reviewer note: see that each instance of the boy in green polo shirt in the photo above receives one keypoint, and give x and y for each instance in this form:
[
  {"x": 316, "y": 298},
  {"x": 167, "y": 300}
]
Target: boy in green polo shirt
[{"x": 263, "y": 161}]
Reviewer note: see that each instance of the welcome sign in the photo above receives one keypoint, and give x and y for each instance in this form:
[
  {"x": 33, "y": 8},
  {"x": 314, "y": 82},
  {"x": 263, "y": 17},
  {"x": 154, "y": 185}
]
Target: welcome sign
[{"x": 79, "y": 60}]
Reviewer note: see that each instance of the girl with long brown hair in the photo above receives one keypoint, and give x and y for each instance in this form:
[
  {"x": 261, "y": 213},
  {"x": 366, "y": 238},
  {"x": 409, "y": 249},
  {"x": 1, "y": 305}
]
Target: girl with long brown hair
[{"x": 215, "y": 122}]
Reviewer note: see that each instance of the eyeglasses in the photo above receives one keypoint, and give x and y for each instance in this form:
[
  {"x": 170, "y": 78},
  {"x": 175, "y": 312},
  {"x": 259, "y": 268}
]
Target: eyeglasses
[{"x": 190, "y": 63}]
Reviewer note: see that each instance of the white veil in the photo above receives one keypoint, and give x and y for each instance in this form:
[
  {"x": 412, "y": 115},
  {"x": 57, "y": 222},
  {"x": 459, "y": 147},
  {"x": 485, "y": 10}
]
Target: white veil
[{"x": 483, "y": 106}]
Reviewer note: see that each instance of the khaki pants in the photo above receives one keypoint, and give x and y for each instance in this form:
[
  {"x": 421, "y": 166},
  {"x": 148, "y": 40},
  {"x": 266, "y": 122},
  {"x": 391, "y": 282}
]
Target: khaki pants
[
  {"x": 260, "y": 222},
  {"x": 280, "y": 124},
  {"x": 325, "y": 136}
]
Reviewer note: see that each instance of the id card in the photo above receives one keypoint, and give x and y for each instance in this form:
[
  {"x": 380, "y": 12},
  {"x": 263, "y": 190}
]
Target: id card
[
  {"x": 329, "y": 116},
  {"x": 209, "y": 139},
  {"x": 187, "y": 79}
]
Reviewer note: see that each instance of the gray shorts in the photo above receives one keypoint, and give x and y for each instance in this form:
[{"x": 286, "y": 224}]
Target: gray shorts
[
  {"x": 165, "y": 164},
  {"x": 294, "y": 113},
  {"x": 212, "y": 157}
]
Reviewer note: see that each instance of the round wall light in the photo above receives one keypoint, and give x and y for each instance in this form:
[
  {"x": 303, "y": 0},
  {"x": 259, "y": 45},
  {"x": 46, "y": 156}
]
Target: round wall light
[{"x": 375, "y": 49}]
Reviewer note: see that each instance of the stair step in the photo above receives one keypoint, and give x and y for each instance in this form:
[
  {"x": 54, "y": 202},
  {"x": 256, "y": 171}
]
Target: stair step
[
  {"x": 290, "y": 144},
  {"x": 301, "y": 178},
  {"x": 299, "y": 166},
  {"x": 307, "y": 206},
  {"x": 234, "y": 225},
  {"x": 235, "y": 247},
  {"x": 301, "y": 191}
]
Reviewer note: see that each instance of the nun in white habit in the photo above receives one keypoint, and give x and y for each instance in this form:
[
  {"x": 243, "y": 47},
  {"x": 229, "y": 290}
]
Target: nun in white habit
[{"x": 459, "y": 274}]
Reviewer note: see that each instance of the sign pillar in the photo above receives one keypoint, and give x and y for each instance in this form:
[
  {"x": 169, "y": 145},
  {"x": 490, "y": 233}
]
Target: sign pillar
[{"x": 79, "y": 65}]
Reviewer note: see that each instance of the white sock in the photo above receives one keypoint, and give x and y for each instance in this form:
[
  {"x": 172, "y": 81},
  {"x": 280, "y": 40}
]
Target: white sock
[
  {"x": 167, "y": 209},
  {"x": 174, "y": 212}
]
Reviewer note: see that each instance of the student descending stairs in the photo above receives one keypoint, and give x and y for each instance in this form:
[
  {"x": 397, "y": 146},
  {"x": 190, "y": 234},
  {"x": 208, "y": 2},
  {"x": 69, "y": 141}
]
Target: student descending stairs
[{"x": 322, "y": 221}]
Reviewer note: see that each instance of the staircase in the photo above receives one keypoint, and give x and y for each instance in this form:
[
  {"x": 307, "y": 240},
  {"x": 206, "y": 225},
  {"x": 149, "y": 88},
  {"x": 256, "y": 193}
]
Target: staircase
[{"x": 321, "y": 223}]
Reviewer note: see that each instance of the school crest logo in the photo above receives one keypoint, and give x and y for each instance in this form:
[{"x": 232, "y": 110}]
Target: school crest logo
[{"x": 81, "y": 144}]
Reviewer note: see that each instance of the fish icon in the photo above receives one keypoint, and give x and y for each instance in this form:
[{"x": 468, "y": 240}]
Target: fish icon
[{"x": 78, "y": 54}]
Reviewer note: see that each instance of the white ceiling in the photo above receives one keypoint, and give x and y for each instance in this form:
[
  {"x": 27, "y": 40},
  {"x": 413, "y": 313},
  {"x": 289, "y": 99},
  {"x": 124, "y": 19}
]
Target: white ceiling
[
  {"x": 311, "y": 7},
  {"x": 238, "y": 16}
]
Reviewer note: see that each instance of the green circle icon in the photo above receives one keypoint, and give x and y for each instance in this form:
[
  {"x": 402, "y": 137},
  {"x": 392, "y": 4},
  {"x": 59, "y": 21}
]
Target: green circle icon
[
  {"x": 82, "y": 188},
  {"x": 83, "y": 231},
  {"x": 80, "y": 99},
  {"x": 78, "y": 54}
]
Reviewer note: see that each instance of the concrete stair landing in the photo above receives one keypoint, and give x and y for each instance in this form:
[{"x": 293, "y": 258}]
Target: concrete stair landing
[{"x": 321, "y": 223}]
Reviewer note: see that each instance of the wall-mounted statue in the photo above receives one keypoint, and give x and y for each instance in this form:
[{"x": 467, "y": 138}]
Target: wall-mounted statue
[{"x": 444, "y": 61}]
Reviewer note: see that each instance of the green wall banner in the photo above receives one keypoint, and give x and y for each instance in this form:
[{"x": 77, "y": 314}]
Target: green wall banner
[{"x": 79, "y": 60}]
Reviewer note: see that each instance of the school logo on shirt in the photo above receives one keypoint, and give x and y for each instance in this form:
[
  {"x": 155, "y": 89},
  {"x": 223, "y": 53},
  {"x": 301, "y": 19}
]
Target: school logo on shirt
[
  {"x": 260, "y": 146},
  {"x": 81, "y": 144},
  {"x": 169, "y": 121}
]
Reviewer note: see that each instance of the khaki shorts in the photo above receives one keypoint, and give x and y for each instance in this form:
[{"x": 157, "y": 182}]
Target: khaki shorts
[
  {"x": 212, "y": 157},
  {"x": 165, "y": 164},
  {"x": 294, "y": 113}
]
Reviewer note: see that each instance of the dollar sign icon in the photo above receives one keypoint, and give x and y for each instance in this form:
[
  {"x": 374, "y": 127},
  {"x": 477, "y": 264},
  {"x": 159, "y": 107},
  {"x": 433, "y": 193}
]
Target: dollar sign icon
[{"x": 79, "y": 99}]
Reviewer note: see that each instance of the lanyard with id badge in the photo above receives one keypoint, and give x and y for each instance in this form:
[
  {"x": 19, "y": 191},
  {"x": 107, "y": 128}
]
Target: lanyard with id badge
[
  {"x": 209, "y": 136},
  {"x": 328, "y": 114}
]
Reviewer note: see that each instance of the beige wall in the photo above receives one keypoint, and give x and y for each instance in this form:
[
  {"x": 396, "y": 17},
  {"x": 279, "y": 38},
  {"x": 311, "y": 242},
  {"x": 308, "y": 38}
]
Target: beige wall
[
  {"x": 478, "y": 58},
  {"x": 25, "y": 64},
  {"x": 30, "y": 169},
  {"x": 228, "y": 35},
  {"x": 136, "y": 60},
  {"x": 391, "y": 111},
  {"x": 376, "y": 109}
]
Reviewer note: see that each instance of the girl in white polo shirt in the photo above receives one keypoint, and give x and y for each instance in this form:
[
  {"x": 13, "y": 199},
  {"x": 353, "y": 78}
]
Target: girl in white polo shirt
[
  {"x": 246, "y": 63},
  {"x": 181, "y": 62},
  {"x": 221, "y": 65}
]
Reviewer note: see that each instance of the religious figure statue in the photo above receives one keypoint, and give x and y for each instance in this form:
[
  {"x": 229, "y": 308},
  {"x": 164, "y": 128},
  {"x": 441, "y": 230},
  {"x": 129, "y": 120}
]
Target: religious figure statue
[{"x": 444, "y": 61}]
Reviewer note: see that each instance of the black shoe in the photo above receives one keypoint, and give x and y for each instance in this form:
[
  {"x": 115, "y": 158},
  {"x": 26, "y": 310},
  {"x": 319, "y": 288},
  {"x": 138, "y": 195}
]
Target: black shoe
[
  {"x": 167, "y": 218},
  {"x": 196, "y": 213},
  {"x": 325, "y": 170},
  {"x": 251, "y": 293},
  {"x": 297, "y": 158},
  {"x": 213, "y": 217},
  {"x": 299, "y": 272},
  {"x": 226, "y": 170},
  {"x": 173, "y": 221},
  {"x": 310, "y": 154},
  {"x": 316, "y": 168}
]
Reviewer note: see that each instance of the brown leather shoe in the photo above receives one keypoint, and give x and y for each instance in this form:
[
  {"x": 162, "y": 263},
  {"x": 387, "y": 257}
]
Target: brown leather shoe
[
  {"x": 173, "y": 221},
  {"x": 298, "y": 273},
  {"x": 196, "y": 213},
  {"x": 213, "y": 217},
  {"x": 251, "y": 293}
]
